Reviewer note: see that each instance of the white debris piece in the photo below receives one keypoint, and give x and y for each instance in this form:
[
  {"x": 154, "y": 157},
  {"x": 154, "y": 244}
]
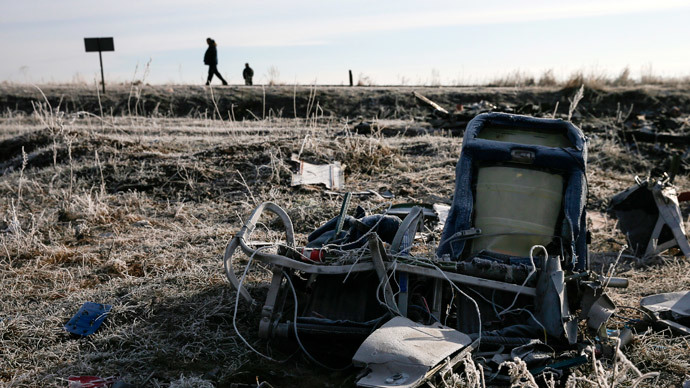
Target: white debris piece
[
  {"x": 403, "y": 353},
  {"x": 330, "y": 175},
  {"x": 441, "y": 210}
]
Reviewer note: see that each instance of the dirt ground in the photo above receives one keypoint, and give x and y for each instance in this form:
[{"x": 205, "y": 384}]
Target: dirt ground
[{"x": 129, "y": 199}]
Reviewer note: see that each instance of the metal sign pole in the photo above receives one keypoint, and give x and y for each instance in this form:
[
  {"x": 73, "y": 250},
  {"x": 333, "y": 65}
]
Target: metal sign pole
[
  {"x": 100, "y": 59},
  {"x": 100, "y": 45}
]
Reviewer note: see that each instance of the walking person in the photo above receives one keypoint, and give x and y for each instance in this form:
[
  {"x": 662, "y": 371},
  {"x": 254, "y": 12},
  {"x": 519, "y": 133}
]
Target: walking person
[
  {"x": 247, "y": 74},
  {"x": 211, "y": 59}
]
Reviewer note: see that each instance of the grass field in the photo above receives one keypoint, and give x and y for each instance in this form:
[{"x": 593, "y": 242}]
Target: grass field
[{"x": 133, "y": 208}]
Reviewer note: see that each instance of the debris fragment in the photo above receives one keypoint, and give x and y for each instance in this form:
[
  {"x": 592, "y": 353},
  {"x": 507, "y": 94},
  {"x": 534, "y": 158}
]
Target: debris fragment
[
  {"x": 539, "y": 151},
  {"x": 88, "y": 319},
  {"x": 354, "y": 227},
  {"x": 476, "y": 108},
  {"x": 398, "y": 354},
  {"x": 382, "y": 195},
  {"x": 91, "y": 381},
  {"x": 143, "y": 224},
  {"x": 670, "y": 309},
  {"x": 645, "y": 135},
  {"x": 441, "y": 210},
  {"x": 331, "y": 175},
  {"x": 430, "y": 103},
  {"x": 403, "y": 209},
  {"x": 504, "y": 276},
  {"x": 649, "y": 215}
]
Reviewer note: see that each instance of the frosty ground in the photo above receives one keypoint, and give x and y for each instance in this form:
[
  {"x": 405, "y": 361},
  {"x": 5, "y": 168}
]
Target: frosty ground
[{"x": 113, "y": 201}]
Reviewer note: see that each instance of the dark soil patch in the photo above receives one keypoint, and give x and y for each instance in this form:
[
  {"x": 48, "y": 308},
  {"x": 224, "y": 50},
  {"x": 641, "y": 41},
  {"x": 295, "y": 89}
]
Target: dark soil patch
[
  {"x": 240, "y": 102},
  {"x": 12, "y": 148}
]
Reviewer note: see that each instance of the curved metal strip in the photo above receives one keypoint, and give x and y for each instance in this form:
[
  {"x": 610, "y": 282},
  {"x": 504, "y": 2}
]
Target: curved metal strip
[
  {"x": 413, "y": 220},
  {"x": 245, "y": 233},
  {"x": 230, "y": 272}
]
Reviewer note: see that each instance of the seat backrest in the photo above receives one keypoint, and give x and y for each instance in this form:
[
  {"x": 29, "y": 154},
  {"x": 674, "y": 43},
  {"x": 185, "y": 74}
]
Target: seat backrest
[{"x": 521, "y": 181}]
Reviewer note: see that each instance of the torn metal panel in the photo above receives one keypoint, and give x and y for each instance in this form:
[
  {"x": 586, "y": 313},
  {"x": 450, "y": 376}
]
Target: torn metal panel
[
  {"x": 671, "y": 309},
  {"x": 402, "y": 352},
  {"x": 552, "y": 302},
  {"x": 597, "y": 307},
  {"x": 677, "y": 303},
  {"x": 330, "y": 175},
  {"x": 649, "y": 215},
  {"x": 666, "y": 200}
]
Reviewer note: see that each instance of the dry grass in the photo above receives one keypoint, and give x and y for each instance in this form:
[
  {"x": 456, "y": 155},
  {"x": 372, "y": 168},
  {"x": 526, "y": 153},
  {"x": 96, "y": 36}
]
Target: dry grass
[
  {"x": 135, "y": 212},
  {"x": 591, "y": 79},
  {"x": 136, "y": 216}
]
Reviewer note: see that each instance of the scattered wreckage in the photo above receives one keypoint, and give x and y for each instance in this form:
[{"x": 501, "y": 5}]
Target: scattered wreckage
[
  {"x": 649, "y": 216},
  {"x": 509, "y": 279}
]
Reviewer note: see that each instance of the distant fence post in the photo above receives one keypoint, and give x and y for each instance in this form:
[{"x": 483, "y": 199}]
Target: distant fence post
[{"x": 351, "y": 84}]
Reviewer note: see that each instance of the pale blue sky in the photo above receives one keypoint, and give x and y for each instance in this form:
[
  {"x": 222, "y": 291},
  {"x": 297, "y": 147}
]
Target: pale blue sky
[{"x": 457, "y": 42}]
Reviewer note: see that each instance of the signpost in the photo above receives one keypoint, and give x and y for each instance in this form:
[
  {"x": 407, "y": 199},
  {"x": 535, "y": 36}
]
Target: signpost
[{"x": 100, "y": 45}]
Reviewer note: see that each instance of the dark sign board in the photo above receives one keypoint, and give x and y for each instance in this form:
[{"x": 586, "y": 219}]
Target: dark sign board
[{"x": 99, "y": 44}]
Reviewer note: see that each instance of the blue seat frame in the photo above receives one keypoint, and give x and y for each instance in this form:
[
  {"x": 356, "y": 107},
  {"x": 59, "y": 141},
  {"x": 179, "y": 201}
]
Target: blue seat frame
[{"x": 571, "y": 162}]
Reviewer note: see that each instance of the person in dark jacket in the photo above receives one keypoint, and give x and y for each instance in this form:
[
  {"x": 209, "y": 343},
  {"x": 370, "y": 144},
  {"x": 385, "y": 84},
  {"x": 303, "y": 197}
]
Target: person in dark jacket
[
  {"x": 211, "y": 59},
  {"x": 247, "y": 74}
]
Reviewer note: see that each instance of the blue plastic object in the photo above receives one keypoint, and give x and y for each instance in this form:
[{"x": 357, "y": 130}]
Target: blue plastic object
[{"x": 88, "y": 319}]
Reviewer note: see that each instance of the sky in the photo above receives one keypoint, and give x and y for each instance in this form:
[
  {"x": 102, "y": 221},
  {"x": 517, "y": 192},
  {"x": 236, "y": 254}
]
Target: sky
[{"x": 383, "y": 42}]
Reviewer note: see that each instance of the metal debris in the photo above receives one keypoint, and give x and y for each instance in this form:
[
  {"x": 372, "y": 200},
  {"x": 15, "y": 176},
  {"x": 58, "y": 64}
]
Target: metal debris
[
  {"x": 361, "y": 279},
  {"x": 670, "y": 309},
  {"x": 331, "y": 175},
  {"x": 406, "y": 354},
  {"x": 649, "y": 215}
]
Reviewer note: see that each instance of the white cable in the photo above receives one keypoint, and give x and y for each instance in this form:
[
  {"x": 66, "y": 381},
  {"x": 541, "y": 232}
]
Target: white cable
[
  {"x": 491, "y": 302},
  {"x": 383, "y": 302},
  {"x": 306, "y": 353},
  {"x": 353, "y": 265},
  {"x": 392, "y": 276},
  {"x": 345, "y": 257},
  {"x": 378, "y": 296},
  {"x": 532, "y": 272},
  {"x": 234, "y": 314},
  {"x": 615, "y": 264},
  {"x": 533, "y": 317},
  {"x": 450, "y": 304},
  {"x": 476, "y": 306},
  {"x": 370, "y": 231}
]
